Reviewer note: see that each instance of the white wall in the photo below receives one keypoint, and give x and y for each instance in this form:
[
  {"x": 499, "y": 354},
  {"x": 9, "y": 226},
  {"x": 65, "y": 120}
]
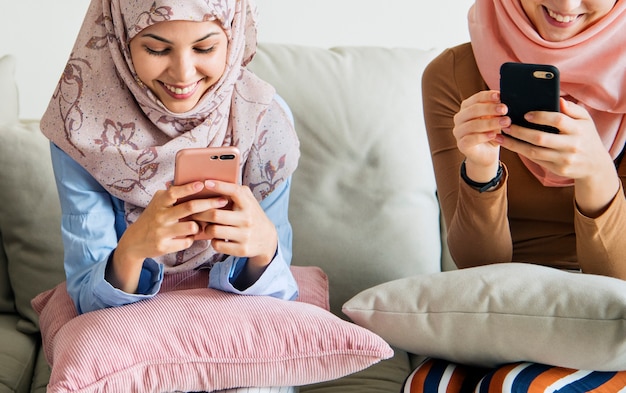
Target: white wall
[{"x": 42, "y": 42}]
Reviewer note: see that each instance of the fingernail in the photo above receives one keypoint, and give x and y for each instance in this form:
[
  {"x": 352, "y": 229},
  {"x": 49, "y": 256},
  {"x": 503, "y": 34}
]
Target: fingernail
[
  {"x": 499, "y": 139},
  {"x": 529, "y": 116},
  {"x": 198, "y": 186},
  {"x": 209, "y": 184}
]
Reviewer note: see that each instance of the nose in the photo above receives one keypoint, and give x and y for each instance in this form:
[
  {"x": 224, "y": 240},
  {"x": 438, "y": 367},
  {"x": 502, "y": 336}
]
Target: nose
[
  {"x": 183, "y": 67},
  {"x": 569, "y": 5}
]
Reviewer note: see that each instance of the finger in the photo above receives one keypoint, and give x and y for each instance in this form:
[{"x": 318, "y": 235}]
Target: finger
[
  {"x": 492, "y": 96},
  {"x": 482, "y": 111},
  {"x": 538, "y": 146},
  {"x": 174, "y": 193},
  {"x": 225, "y": 232},
  {"x": 574, "y": 111},
  {"x": 186, "y": 228},
  {"x": 241, "y": 196},
  {"x": 532, "y": 136},
  {"x": 228, "y": 247},
  {"x": 491, "y": 125},
  {"x": 200, "y": 209}
]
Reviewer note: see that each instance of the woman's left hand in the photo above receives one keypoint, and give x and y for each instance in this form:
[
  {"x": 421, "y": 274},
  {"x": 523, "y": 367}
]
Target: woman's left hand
[
  {"x": 243, "y": 231},
  {"x": 576, "y": 152}
]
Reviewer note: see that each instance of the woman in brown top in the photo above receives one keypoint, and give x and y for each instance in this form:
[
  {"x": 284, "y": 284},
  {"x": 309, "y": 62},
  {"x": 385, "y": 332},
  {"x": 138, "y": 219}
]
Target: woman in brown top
[{"x": 510, "y": 193}]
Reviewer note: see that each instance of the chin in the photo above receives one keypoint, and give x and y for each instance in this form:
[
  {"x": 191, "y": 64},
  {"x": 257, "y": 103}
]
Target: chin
[{"x": 178, "y": 107}]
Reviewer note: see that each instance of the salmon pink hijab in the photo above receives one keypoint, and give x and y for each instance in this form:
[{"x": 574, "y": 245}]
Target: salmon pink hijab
[
  {"x": 592, "y": 65},
  {"x": 126, "y": 139}
]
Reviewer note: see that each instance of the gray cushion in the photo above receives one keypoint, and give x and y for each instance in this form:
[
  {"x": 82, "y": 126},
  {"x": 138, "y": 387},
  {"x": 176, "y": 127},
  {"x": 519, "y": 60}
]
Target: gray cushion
[
  {"x": 502, "y": 313},
  {"x": 41, "y": 374},
  {"x": 386, "y": 376},
  {"x": 30, "y": 216},
  {"x": 8, "y": 91},
  {"x": 6, "y": 293},
  {"x": 363, "y": 204},
  {"x": 17, "y": 357},
  {"x": 8, "y": 115}
]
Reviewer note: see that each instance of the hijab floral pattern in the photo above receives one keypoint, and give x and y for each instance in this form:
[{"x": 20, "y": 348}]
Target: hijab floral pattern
[
  {"x": 501, "y": 31},
  {"x": 116, "y": 128}
]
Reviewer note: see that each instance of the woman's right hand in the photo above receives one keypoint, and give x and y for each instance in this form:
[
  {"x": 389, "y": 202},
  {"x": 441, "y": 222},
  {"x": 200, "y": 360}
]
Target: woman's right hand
[
  {"x": 479, "y": 120},
  {"x": 159, "y": 230}
]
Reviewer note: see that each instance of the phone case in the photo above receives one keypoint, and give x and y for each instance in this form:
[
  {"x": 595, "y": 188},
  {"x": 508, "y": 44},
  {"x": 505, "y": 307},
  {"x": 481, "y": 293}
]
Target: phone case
[
  {"x": 529, "y": 87},
  {"x": 207, "y": 163}
]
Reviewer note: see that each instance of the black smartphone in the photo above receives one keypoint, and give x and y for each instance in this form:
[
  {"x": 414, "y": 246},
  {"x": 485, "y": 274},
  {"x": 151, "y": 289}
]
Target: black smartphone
[{"x": 529, "y": 87}]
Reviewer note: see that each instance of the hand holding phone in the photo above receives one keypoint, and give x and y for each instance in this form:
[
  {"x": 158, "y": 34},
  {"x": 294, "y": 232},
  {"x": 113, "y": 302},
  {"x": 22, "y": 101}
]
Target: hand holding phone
[
  {"x": 206, "y": 163},
  {"x": 529, "y": 87}
]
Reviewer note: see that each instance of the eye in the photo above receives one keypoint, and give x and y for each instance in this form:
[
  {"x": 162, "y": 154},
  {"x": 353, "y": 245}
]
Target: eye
[
  {"x": 155, "y": 52},
  {"x": 204, "y": 50}
]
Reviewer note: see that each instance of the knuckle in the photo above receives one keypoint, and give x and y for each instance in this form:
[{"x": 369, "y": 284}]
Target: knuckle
[
  {"x": 240, "y": 192},
  {"x": 170, "y": 193},
  {"x": 559, "y": 122},
  {"x": 188, "y": 208},
  {"x": 161, "y": 247}
]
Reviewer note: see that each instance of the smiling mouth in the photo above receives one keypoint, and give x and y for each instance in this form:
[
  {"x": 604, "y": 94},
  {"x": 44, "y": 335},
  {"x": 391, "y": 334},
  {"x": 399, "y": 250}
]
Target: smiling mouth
[
  {"x": 561, "y": 18},
  {"x": 180, "y": 91}
]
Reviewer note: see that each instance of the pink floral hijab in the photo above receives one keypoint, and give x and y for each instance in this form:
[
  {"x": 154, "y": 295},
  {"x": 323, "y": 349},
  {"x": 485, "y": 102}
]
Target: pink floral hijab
[
  {"x": 592, "y": 65},
  {"x": 126, "y": 139}
]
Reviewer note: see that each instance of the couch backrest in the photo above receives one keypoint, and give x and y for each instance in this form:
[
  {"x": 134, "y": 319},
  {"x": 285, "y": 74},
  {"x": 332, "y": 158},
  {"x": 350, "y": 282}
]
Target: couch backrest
[
  {"x": 363, "y": 203},
  {"x": 31, "y": 254}
]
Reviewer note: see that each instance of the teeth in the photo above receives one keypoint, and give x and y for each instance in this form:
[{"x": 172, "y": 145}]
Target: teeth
[
  {"x": 561, "y": 18},
  {"x": 178, "y": 90}
]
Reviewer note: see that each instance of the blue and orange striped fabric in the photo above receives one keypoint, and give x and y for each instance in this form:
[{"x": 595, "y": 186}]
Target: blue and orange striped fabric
[
  {"x": 439, "y": 376},
  {"x": 532, "y": 377}
]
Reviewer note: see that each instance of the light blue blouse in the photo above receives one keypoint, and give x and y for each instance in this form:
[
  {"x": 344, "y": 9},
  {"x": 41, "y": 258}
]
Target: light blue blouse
[{"x": 93, "y": 222}]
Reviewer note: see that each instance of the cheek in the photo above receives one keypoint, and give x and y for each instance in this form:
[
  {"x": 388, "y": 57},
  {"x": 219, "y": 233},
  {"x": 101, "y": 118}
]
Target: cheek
[
  {"x": 146, "y": 68},
  {"x": 216, "y": 66},
  {"x": 142, "y": 63}
]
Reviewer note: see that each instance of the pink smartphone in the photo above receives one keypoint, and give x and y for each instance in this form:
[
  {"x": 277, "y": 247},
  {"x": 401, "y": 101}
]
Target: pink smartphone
[{"x": 206, "y": 163}]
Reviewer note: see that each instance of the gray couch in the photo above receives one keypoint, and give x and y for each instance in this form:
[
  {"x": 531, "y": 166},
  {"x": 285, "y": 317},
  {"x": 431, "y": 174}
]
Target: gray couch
[{"x": 363, "y": 204}]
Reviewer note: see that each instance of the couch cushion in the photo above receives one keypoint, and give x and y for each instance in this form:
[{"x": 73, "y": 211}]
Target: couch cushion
[
  {"x": 6, "y": 293},
  {"x": 503, "y": 313},
  {"x": 8, "y": 115},
  {"x": 384, "y": 377},
  {"x": 363, "y": 204},
  {"x": 17, "y": 356},
  {"x": 30, "y": 216},
  {"x": 9, "y": 103},
  {"x": 41, "y": 374}
]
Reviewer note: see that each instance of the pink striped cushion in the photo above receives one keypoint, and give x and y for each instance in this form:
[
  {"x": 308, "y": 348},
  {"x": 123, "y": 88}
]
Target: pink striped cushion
[{"x": 203, "y": 339}]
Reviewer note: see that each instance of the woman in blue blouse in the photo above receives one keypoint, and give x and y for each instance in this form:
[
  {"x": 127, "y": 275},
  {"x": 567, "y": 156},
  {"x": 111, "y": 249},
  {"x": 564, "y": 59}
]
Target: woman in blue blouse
[{"x": 146, "y": 79}]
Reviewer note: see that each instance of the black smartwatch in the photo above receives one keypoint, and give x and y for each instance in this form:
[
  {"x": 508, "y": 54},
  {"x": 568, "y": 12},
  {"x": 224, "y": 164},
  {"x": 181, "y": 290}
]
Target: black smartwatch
[{"x": 482, "y": 187}]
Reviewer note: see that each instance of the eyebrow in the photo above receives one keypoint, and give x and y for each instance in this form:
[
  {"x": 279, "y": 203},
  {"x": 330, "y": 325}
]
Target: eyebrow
[{"x": 158, "y": 38}]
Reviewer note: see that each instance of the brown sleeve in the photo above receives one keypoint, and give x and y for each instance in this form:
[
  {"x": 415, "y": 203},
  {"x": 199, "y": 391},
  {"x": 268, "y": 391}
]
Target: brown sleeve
[
  {"x": 477, "y": 223},
  {"x": 600, "y": 244}
]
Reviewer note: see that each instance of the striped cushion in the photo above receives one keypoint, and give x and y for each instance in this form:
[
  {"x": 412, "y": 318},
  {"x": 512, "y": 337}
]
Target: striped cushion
[
  {"x": 278, "y": 389},
  {"x": 533, "y": 377},
  {"x": 200, "y": 339},
  {"x": 440, "y": 376}
]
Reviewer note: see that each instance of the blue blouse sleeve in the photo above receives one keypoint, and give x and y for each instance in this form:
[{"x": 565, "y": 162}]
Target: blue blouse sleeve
[{"x": 91, "y": 223}]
